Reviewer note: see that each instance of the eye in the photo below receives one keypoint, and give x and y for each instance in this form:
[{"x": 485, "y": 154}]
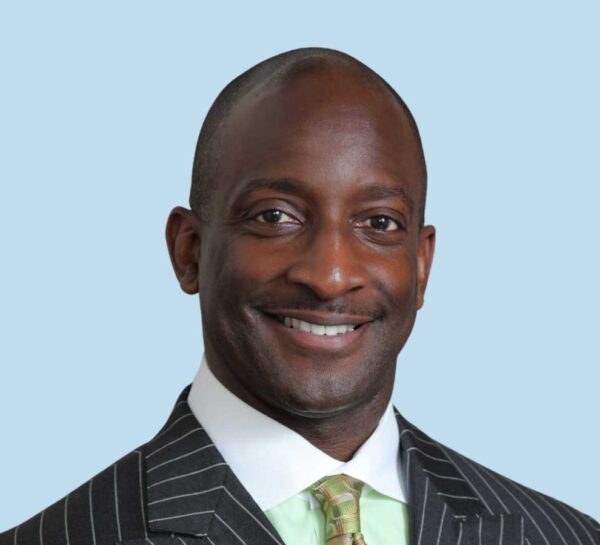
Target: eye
[
  {"x": 274, "y": 217},
  {"x": 381, "y": 222}
]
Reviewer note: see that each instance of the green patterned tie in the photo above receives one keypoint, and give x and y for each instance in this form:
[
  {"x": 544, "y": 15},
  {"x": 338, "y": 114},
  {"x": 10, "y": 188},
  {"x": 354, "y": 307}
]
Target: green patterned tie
[{"x": 338, "y": 496}]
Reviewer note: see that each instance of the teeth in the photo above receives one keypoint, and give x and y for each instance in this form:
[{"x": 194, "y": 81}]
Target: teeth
[
  {"x": 316, "y": 329},
  {"x": 304, "y": 326}
]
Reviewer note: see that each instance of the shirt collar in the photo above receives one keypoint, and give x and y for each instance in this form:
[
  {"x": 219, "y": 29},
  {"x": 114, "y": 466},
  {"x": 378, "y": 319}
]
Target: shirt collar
[{"x": 261, "y": 451}]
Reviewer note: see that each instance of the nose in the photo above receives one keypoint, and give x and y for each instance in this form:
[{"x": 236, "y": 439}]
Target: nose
[{"x": 329, "y": 264}]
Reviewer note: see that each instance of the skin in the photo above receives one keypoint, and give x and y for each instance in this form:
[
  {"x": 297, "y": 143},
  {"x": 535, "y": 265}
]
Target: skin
[{"x": 328, "y": 251}]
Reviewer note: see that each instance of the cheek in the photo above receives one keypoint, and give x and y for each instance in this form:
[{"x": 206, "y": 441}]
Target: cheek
[
  {"x": 396, "y": 279},
  {"x": 403, "y": 292},
  {"x": 221, "y": 265},
  {"x": 233, "y": 271},
  {"x": 253, "y": 262}
]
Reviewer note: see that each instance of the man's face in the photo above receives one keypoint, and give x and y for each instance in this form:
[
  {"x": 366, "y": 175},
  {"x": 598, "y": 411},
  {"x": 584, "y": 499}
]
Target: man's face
[{"x": 314, "y": 225}]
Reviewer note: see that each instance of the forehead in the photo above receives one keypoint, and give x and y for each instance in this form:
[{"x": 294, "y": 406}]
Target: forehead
[{"x": 326, "y": 128}]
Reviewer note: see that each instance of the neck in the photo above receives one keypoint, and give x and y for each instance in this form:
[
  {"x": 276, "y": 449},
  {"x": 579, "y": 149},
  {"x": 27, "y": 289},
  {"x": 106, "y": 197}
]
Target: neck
[{"x": 339, "y": 434}]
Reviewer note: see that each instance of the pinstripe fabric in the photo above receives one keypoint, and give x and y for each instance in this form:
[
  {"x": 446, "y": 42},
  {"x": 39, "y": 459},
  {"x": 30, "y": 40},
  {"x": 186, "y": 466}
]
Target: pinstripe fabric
[{"x": 177, "y": 490}]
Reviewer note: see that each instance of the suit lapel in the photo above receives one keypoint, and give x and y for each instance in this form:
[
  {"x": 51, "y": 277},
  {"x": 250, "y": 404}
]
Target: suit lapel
[
  {"x": 444, "y": 508},
  {"x": 190, "y": 489}
]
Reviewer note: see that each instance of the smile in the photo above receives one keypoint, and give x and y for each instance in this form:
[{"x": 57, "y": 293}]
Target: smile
[
  {"x": 339, "y": 334},
  {"x": 317, "y": 329}
]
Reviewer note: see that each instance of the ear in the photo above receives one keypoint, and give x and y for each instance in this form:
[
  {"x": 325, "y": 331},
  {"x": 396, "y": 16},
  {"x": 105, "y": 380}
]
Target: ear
[
  {"x": 183, "y": 242},
  {"x": 424, "y": 259}
]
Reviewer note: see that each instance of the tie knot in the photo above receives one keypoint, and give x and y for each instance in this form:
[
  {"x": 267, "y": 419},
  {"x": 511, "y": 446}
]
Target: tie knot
[{"x": 339, "y": 498}]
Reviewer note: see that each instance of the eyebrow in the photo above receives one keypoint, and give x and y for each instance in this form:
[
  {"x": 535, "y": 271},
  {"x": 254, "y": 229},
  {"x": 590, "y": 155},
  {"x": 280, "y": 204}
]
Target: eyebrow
[
  {"x": 295, "y": 186},
  {"x": 376, "y": 192},
  {"x": 283, "y": 185}
]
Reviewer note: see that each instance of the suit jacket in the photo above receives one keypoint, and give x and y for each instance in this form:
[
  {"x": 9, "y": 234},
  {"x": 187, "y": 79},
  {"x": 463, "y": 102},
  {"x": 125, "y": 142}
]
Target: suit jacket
[{"x": 178, "y": 490}]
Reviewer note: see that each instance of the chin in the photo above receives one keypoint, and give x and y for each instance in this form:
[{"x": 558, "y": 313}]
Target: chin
[
  {"x": 320, "y": 412},
  {"x": 317, "y": 399}
]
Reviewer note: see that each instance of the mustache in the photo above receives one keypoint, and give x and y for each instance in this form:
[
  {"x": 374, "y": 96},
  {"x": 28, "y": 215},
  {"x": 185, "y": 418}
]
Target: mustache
[{"x": 273, "y": 304}]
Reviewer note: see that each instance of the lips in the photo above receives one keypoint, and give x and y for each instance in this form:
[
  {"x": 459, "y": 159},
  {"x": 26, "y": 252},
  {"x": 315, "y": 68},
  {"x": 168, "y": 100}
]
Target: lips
[
  {"x": 334, "y": 333},
  {"x": 318, "y": 329},
  {"x": 320, "y": 318}
]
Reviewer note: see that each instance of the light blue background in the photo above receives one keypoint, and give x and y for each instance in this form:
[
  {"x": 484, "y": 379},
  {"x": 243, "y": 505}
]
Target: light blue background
[{"x": 101, "y": 104}]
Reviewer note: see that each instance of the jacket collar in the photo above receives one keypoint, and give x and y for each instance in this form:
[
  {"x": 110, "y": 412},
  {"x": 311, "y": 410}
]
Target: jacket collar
[
  {"x": 425, "y": 459},
  {"x": 444, "y": 507},
  {"x": 191, "y": 490}
]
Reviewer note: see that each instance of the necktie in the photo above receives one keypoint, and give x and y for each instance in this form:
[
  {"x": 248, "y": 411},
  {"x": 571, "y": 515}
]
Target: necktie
[{"x": 338, "y": 496}]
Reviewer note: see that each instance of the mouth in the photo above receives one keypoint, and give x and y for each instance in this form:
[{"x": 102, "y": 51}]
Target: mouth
[
  {"x": 317, "y": 329},
  {"x": 319, "y": 332}
]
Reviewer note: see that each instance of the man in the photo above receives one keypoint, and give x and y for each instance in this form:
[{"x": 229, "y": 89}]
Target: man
[{"x": 307, "y": 244}]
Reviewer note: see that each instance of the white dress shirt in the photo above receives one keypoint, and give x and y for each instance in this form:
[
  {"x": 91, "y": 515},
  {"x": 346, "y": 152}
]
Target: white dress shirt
[{"x": 261, "y": 451}]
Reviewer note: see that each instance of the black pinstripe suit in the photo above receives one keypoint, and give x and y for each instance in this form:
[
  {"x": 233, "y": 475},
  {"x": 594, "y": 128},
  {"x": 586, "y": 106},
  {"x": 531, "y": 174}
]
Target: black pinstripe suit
[{"x": 177, "y": 490}]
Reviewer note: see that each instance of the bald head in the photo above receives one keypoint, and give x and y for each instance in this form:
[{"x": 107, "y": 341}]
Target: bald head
[{"x": 325, "y": 68}]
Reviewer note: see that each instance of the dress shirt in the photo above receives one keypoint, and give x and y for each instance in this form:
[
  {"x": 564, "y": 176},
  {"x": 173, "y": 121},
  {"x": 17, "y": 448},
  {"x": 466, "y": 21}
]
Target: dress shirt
[{"x": 261, "y": 452}]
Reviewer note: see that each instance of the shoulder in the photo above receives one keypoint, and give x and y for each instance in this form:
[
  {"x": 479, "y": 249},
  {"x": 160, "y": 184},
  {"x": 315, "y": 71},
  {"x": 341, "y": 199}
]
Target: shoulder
[
  {"x": 547, "y": 520},
  {"x": 484, "y": 501},
  {"x": 110, "y": 508},
  {"x": 106, "y": 509},
  {"x": 540, "y": 510}
]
